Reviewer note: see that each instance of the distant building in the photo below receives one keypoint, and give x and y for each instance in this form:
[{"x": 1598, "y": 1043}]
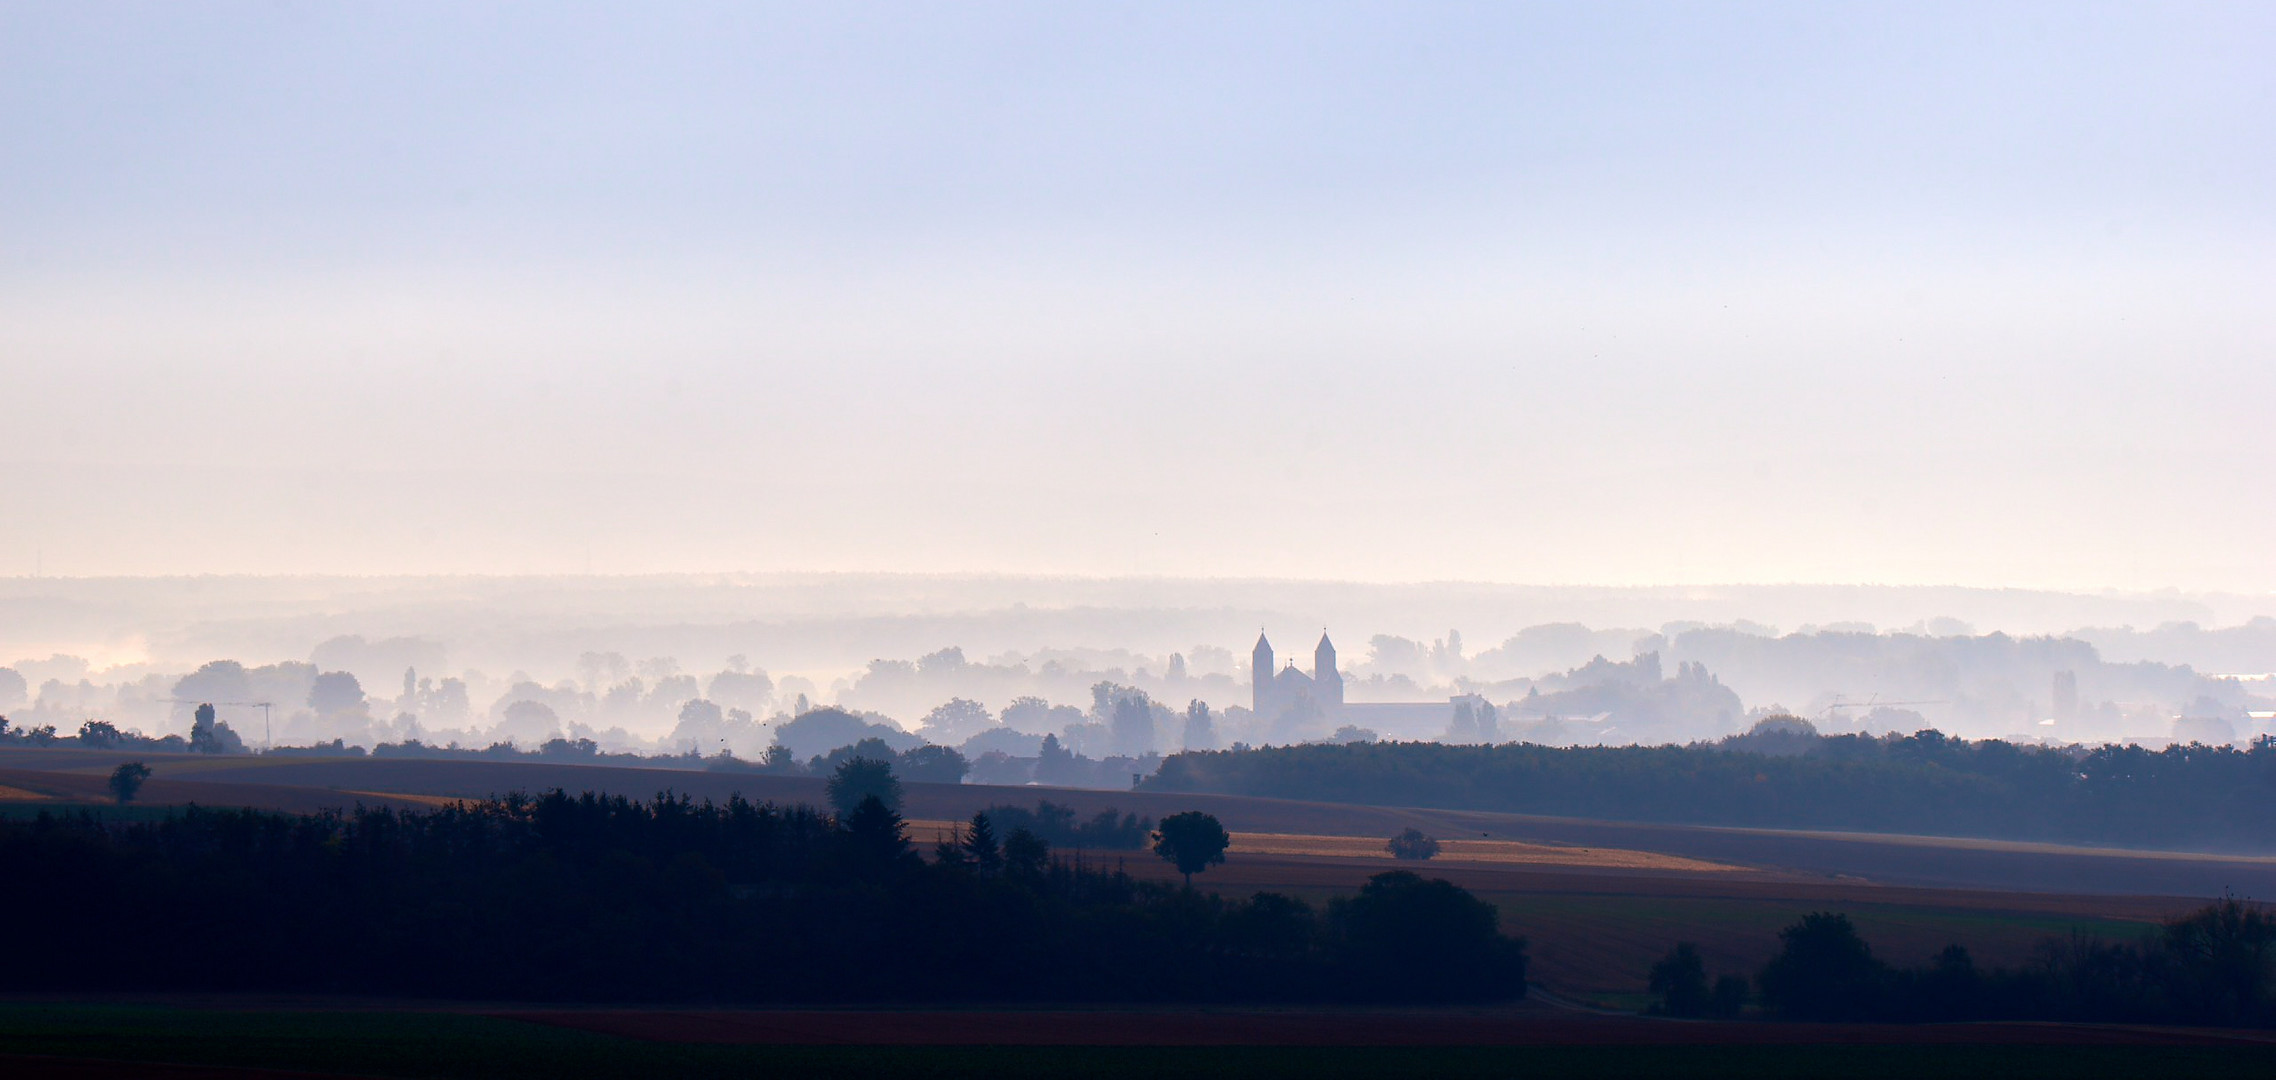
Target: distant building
[
  {"x": 1312, "y": 704},
  {"x": 1276, "y": 693}
]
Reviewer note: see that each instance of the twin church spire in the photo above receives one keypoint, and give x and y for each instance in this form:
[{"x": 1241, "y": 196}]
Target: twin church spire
[{"x": 1275, "y": 691}]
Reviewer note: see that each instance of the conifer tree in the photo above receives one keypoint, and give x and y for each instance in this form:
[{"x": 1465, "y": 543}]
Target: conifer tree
[{"x": 980, "y": 845}]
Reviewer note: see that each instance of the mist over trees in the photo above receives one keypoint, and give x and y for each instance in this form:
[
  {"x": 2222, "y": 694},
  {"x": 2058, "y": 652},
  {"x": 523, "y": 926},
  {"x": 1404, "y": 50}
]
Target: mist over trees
[{"x": 1108, "y": 718}]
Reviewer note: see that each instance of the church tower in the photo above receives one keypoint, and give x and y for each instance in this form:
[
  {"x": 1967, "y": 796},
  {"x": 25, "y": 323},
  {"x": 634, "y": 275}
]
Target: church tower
[
  {"x": 1260, "y": 675},
  {"x": 1327, "y": 682}
]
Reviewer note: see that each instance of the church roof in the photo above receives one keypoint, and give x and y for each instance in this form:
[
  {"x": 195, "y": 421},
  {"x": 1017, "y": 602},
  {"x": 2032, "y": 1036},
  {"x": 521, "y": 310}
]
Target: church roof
[{"x": 1292, "y": 674}]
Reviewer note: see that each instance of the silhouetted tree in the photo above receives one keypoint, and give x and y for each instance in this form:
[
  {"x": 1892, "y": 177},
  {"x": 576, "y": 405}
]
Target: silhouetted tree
[
  {"x": 862, "y": 778},
  {"x": 949, "y": 850},
  {"x": 1056, "y": 824},
  {"x": 980, "y": 845},
  {"x": 1194, "y": 841},
  {"x": 1824, "y": 971},
  {"x": 1026, "y": 856},
  {"x": 1133, "y": 723},
  {"x": 956, "y": 720},
  {"x": 1680, "y": 980},
  {"x": 2222, "y": 959},
  {"x": 1054, "y": 763},
  {"x": 1200, "y": 728},
  {"x": 1406, "y": 938},
  {"x": 813, "y": 732},
  {"x": 100, "y": 735},
  {"x": 877, "y": 832},
  {"x": 1412, "y": 844},
  {"x": 127, "y": 779},
  {"x": 1950, "y": 989},
  {"x": 934, "y": 765},
  {"x": 1729, "y": 998},
  {"x": 1270, "y": 925},
  {"x": 572, "y": 748},
  {"x": 874, "y": 749},
  {"x": 334, "y": 692},
  {"x": 208, "y": 735}
]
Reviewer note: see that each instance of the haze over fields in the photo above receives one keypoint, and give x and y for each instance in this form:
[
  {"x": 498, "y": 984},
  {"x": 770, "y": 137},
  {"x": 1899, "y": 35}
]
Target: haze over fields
[
  {"x": 1258, "y": 538},
  {"x": 622, "y": 659}
]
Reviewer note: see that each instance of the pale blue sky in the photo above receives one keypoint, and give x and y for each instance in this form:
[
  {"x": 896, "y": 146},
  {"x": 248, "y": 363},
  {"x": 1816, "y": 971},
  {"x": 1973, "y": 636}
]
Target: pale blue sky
[{"x": 1569, "y": 293}]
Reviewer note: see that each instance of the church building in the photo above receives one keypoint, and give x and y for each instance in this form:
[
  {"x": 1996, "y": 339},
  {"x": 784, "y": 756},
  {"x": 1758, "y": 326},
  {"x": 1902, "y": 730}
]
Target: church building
[
  {"x": 1278, "y": 691},
  {"x": 1311, "y": 704}
]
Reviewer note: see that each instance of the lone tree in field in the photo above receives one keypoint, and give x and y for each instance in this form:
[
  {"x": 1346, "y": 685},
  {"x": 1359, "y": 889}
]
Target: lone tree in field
[
  {"x": 1412, "y": 844},
  {"x": 861, "y": 778},
  {"x": 127, "y": 779},
  {"x": 1193, "y": 840}
]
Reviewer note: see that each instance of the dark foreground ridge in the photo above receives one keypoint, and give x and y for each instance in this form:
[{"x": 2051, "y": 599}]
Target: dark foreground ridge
[
  {"x": 217, "y": 1039},
  {"x": 599, "y": 898}
]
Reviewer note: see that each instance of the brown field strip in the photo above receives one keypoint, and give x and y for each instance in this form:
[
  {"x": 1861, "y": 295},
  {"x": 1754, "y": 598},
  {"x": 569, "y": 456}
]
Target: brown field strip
[
  {"x": 1511, "y": 852},
  {"x": 163, "y": 790},
  {"x": 925, "y": 832},
  {"x": 45, "y": 786},
  {"x": 436, "y": 801}
]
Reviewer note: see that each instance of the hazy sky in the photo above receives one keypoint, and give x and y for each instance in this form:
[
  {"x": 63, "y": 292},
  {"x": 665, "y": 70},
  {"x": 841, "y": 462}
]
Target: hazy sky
[{"x": 1909, "y": 293}]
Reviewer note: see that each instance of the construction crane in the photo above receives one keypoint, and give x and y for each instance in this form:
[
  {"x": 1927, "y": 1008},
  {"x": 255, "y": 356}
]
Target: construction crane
[{"x": 261, "y": 705}]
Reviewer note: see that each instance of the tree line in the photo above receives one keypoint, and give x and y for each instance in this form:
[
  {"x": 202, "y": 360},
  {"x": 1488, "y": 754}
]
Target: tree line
[
  {"x": 2214, "y": 797},
  {"x": 603, "y": 898},
  {"x": 2213, "y": 966},
  {"x": 207, "y": 736}
]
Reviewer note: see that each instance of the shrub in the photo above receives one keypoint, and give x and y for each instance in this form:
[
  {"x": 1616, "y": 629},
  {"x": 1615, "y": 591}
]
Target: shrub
[
  {"x": 1412, "y": 844},
  {"x": 127, "y": 779}
]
